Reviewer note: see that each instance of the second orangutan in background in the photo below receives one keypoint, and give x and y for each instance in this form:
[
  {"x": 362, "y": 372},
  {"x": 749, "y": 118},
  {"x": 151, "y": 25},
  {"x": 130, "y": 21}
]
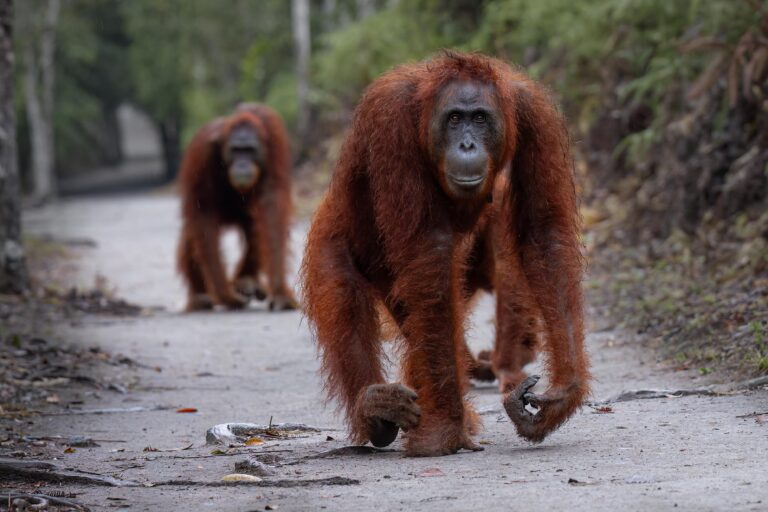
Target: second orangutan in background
[{"x": 236, "y": 173}]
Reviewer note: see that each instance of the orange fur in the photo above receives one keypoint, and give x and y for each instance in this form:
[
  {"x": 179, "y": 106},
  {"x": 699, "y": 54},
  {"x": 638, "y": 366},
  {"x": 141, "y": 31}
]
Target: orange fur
[
  {"x": 210, "y": 203},
  {"x": 387, "y": 233}
]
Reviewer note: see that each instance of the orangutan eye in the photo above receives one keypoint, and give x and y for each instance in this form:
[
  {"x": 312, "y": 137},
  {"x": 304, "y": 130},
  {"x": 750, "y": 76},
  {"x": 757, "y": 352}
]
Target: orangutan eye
[
  {"x": 479, "y": 118},
  {"x": 454, "y": 118}
]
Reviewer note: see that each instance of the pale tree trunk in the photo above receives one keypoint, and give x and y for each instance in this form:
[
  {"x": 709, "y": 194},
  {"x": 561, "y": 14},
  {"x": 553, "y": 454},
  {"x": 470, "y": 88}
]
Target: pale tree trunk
[
  {"x": 170, "y": 138},
  {"x": 329, "y": 15},
  {"x": 39, "y": 102},
  {"x": 111, "y": 141},
  {"x": 365, "y": 8},
  {"x": 13, "y": 272},
  {"x": 300, "y": 16}
]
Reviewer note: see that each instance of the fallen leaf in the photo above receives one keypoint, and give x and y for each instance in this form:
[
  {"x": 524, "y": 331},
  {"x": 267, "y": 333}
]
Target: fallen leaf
[
  {"x": 69, "y": 449},
  {"x": 240, "y": 477},
  {"x": 186, "y": 409},
  {"x": 603, "y": 410},
  {"x": 429, "y": 472}
]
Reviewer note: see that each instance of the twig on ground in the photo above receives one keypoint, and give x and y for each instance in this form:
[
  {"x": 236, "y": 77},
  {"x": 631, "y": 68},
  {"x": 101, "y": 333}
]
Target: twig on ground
[
  {"x": 157, "y": 450},
  {"x": 110, "y": 410},
  {"x": 41, "y": 499},
  {"x": 334, "y": 480},
  {"x": 336, "y": 452},
  {"x": 713, "y": 390},
  {"x": 224, "y": 454},
  {"x": 72, "y": 440},
  {"x": 752, "y": 414},
  {"x": 38, "y": 470}
]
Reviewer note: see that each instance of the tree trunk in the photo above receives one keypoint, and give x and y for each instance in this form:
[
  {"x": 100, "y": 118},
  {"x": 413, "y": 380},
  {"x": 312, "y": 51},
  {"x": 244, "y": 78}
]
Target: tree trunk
[
  {"x": 301, "y": 35},
  {"x": 329, "y": 15},
  {"x": 170, "y": 138},
  {"x": 111, "y": 140},
  {"x": 365, "y": 8},
  {"x": 13, "y": 271},
  {"x": 39, "y": 102},
  {"x": 40, "y": 134}
]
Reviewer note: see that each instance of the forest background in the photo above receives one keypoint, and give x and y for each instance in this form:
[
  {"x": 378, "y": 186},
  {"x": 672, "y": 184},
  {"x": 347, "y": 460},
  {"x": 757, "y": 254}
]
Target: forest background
[{"x": 666, "y": 100}]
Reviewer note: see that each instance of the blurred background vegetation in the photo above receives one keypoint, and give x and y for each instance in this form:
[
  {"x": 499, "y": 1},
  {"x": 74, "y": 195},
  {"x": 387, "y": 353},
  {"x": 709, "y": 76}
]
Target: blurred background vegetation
[{"x": 666, "y": 100}]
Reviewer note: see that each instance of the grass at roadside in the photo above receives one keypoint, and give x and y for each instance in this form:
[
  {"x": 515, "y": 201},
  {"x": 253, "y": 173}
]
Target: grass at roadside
[{"x": 713, "y": 317}]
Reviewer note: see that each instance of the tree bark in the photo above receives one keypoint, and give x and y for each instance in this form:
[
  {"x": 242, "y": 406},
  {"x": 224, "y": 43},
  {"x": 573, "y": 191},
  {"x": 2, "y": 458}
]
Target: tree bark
[
  {"x": 170, "y": 138},
  {"x": 13, "y": 270},
  {"x": 40, "y": 75},
  {"x": 365, "y": 8},
  {"x": 111, "y": 139},
  {"x": 301, "y": 38},
  {"x": 329, "y": 15}
]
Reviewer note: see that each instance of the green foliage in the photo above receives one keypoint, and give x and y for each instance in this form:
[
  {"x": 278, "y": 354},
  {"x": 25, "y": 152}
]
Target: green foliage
[
  {"x": 200, "y": 106},
  {"x": 583, "y": 49},
  {"x": 92, "y": 79},
  {"x": 192, "y": 60},
  {"x": 158, "y": 54},
  {"x": 758, "y": 332},
  {"x": 557, "y": 35},
  {"x": 352, "y": 57},
  {"x": 187, "y": 61},
  {"x": 267, "y": 51},
  {"x": 282, "y": 97},
  {"x": 356, "y": 55},
  {"x": 591, "y": 48}
]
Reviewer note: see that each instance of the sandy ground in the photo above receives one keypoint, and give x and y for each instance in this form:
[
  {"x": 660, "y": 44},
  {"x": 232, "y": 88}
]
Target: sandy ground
[{"x": 685, "y": 453}]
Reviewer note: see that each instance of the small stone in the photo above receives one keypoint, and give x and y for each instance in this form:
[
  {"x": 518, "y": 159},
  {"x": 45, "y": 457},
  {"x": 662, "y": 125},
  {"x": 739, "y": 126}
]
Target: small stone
[
  {"x": 254, "y": 467},
  {"x": 240, "y": 477}
]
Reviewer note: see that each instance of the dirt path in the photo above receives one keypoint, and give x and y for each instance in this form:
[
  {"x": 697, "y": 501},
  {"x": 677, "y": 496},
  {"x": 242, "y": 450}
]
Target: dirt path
[{"x": 687, "y": 453}]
